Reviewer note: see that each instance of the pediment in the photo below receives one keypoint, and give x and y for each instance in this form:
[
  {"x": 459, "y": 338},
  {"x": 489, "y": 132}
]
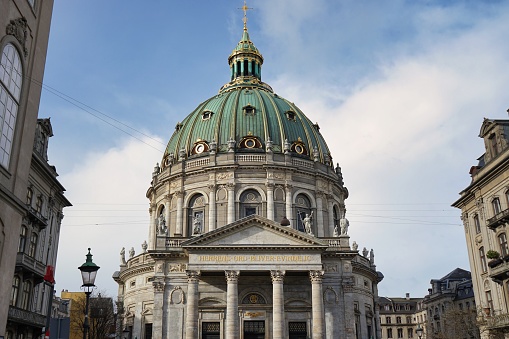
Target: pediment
[{"x": 254, "y": 231}]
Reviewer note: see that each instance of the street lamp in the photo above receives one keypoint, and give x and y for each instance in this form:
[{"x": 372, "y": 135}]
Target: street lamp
[
  {"x": 88, "y": 273},
  {"x": 419, "y": 331}
]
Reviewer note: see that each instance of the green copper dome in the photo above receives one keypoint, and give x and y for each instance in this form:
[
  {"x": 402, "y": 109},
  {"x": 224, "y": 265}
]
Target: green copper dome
[{"x": 246, "y": 116}]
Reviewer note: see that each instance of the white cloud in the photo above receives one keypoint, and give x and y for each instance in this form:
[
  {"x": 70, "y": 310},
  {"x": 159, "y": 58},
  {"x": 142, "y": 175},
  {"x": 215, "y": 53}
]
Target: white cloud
[{"x": 110, "y": 211}]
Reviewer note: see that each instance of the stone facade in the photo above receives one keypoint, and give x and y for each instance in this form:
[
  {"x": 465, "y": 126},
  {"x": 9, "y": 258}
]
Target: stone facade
[
  {"x": 398, "y": 317},
  {"x": 485, "y": 214},
  {"x": 24, "y": 32},
  {"x": 248, "y": 236}
]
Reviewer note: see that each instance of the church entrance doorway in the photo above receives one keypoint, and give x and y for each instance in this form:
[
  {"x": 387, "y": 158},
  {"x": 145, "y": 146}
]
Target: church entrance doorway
[
  {"x": 211, "y": 331},
  {"x": 254, "y": 329},
  {"x": 297, "y": 330}
]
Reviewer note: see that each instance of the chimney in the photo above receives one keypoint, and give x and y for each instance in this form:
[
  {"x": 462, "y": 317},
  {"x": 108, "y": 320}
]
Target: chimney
[{"x": 407, "y": 296}]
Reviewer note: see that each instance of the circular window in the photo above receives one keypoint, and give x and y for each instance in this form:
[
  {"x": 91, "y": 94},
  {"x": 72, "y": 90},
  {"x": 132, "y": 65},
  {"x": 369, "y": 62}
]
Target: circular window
[
  {"x": 200, "y": 148},
  {"x": 253, "y": 298},
  {"x": 250, "y": 143},
  {"x": 299, "y": 149}
]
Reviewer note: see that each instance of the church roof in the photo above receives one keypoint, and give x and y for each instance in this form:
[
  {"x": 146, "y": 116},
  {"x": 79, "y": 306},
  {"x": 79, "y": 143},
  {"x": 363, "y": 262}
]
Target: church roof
[{"x": 247, "y": 114}]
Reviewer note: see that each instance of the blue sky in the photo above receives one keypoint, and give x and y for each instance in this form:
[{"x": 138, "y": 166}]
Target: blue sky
[{"x": 399, "y": 89}]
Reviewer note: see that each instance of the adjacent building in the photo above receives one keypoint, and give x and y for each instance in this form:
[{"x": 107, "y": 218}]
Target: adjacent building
[
  {"x": 37, "y": 243},
  {"x": 24, "y": 31},
  {"x": 398, "y": 316},
  {"x": 484, "y": 204},
  {"x": 248, "y": 236}
]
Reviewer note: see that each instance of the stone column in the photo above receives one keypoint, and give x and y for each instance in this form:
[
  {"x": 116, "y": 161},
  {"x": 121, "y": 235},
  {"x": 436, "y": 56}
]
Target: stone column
[
  {"x": 212, "y": 207},
  {"x": 278, "y": 305},
  {"x": 289, "y": 213},
  {"x": 152, "y": 232},
  {"x": 232, "y": 305},
  {"x": 317, "y": 304},
  {"x": 180, "y": 219},
  {"x": 193, "y": 278},
  {"x": 270, "y": 200},
  {"x": 157, "y": 330},
  {"x": 167, "y": 213},
  {"x": 319, "y": 215},
  {"x": 231, "y": 202},
  {"x": 331, "y": 214}
]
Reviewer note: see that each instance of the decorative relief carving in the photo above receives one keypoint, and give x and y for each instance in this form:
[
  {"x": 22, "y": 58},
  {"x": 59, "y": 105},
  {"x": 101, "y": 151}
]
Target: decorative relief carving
[
  {"x": 330, "y": 296},
  {"x": 277, "y": 276},
  {"x": 211, "y": 187},
  {"x": 174, "y": 184},
  {"x": 230, "y": 186},
  {"x": 232, "y": 276},
  {"x": 177, "y": 268},
  {"x": 276, "y": 175},
  {"x": 18, "y": 28},
  {"x": 270, "y": 185},
  {"x": 316, "y": 276},
  {"x": 160, "y": 268},
  {"x": 223, "y": 176},
  {"x": 158, "y": 286},
  {"x": 193, "y": 276},
  {"x": 331, "y": 268},
  {"x": 179, "y": 294}
]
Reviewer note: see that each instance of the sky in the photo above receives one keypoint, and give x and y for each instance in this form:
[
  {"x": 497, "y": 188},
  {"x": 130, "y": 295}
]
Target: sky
[{"x": 399, "y": 89}]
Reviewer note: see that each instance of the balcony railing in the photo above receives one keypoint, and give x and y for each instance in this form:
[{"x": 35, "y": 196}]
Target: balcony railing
[
  {"x": 497, "y": 321},
  {"x": 19, "y": 315},
  {"x": 37, "y": 218},
  {"x": 27, "y": 264},
  {"x": 498, "y": 220},
  {"x": 499, "y": 272}
]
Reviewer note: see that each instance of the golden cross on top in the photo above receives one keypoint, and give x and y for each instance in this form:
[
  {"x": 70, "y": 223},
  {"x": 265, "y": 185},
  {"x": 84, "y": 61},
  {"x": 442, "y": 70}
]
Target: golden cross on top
[{"x": 245, "y": 9}]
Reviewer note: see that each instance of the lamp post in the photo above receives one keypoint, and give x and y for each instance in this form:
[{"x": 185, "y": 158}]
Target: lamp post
[
  {"x": 88, "y": 273},
  {"x": 419, "y": 331}
]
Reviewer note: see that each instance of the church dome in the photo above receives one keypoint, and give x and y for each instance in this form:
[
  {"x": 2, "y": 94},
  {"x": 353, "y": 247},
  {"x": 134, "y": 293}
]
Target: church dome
[{"x": 246, "y": 116}]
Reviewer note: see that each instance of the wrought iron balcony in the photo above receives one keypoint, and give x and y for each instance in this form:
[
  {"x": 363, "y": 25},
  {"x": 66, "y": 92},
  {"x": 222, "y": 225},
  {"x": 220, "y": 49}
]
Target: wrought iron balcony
[
  {"x": 37, "y": 218},
  {"x": 18, "y": 315},
  {"x": 498, "y": 220},
  {"x": 30, "y": 267}
]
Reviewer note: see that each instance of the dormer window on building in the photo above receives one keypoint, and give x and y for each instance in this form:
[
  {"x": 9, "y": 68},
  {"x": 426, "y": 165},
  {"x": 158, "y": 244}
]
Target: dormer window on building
[
  {"x": 249, "y": 110},
  {"x": 492, "y": 140},
  {"x": 206, "y": 115}
]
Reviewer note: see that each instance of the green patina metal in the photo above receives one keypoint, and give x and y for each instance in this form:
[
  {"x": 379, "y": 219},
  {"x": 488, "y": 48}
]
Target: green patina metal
[{"x": 246, "y": 106}]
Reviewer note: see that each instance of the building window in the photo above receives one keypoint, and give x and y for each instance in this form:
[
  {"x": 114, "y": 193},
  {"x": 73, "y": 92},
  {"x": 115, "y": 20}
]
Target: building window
[
  {"x": 206, "y": 115},
  {"x": 250, "y": 203},
  {"x": 408, "y": 320},
  {"x": 493, "y": 145},
  {"x": 502, "y": 240},
  {"x": 398, "y": 320},
  {"x": 33, "y": 245},
  {"x": 22, "y": 239},
  {"x": 197, "y": 215},
  {"x": 30, "y": 195},
  {"x": 32, "y": 3},
  {"x": 400, "y": 333},
  {"x": 249, "y": 110},
  {"x": 389, "y": 333},
  {"x": 210, "y": 330},
  {"x": 38, "y": 204},
  {"x": 410, "y": 333},
  {"x": 25, "y": 297},
  {"x": 303, "y": 206},
  {"x": 11, "y": 76},
  {"x": 496, "y": 206},
  {"x": 489, "y": 301},
  {"x": 387, "y": 307},
  {"x": 387, "y": 320},
  {"x": 507, "y": 197},
  {"x": 482, "y": 256},
  {"x": 477, "y": 224},
  {"x": 14, "y": 291}
]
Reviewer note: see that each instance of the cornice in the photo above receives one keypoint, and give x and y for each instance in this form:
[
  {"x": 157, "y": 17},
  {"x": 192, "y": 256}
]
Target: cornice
[{"x": 130, "y": 272}]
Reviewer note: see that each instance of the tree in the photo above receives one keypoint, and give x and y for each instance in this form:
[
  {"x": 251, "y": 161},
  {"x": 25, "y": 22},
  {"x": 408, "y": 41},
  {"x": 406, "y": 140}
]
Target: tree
[
  {"x": 456, "y": 323},
  {"x": 101, "y": 317}
]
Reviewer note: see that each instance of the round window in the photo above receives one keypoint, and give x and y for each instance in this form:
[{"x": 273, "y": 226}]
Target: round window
[
  {"x": 299, "y": 149},
  {"x": 200, "y": 148},
  {"x": 250, "y": 143}
]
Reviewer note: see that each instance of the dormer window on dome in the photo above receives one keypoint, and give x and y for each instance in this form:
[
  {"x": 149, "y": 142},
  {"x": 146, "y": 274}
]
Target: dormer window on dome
[
  {"x": 178, "y": 126},
  {"x": 199, "y": 147},
  {"x": 249, "y": 110},
  {"x": 206, "y": 115},
  {"x": 250, "y": 142},
  {"x": 299, "y": 147},
  {"x": 290, "y": 115}
]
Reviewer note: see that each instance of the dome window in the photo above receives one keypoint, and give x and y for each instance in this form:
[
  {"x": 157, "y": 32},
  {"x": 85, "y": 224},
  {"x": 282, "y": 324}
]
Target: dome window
[
  {"x": 250, "y": 142},
  {"x": 200, "y": 147},
  {"x": 178, "y": 126},
  {"x": 206, "y": 115},
  {"x": 290, "y": 115},
  {"x": 299, "y": 147},
  {"x": 249, "y": 110}
]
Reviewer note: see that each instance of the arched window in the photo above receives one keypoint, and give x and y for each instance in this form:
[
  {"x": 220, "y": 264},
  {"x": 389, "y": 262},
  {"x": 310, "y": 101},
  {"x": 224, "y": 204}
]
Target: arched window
[
  {"x": 250, "y": 203},
  {"x": 335, "y": 213},
  {"x": 22, "y": 239},
  {"x": 25, "y": 297},
  {"x": 11, "y": 76},
  {"x": 30, "y": 195},
  {"x": 303, "y": 207},
  {"x": 496, "y": 206},
  {"x": 196, "y": 219},
  {"x": 33, "y": 245},
  {"x": 482, "y": 256},
  {"x": 14, "y": 291}
]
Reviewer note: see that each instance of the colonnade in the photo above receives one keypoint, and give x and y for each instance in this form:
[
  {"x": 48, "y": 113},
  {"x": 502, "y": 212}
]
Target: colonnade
[{"x": 232, "y": 327}]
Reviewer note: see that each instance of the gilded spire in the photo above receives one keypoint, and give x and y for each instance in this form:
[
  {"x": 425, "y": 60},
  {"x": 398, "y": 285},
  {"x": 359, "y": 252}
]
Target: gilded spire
[{"x": 245, "y": 9}]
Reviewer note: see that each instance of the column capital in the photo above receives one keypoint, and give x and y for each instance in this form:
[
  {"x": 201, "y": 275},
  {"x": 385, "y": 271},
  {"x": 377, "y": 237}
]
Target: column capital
[
  {"x": 211, "y": 187},
  {"x": 232, "y": 276},
  {"x": 193, "y": 276},
  {"x": 178, "y": 194},
  {"x": 316, "y": 276},
  {"x": 288, "y": 186},
  {"x": 277, "y": 276},
  {"x": 230, "y": 186},
  {"x": 158, "y": 286},
  {"x": 270, "y": 185}
]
